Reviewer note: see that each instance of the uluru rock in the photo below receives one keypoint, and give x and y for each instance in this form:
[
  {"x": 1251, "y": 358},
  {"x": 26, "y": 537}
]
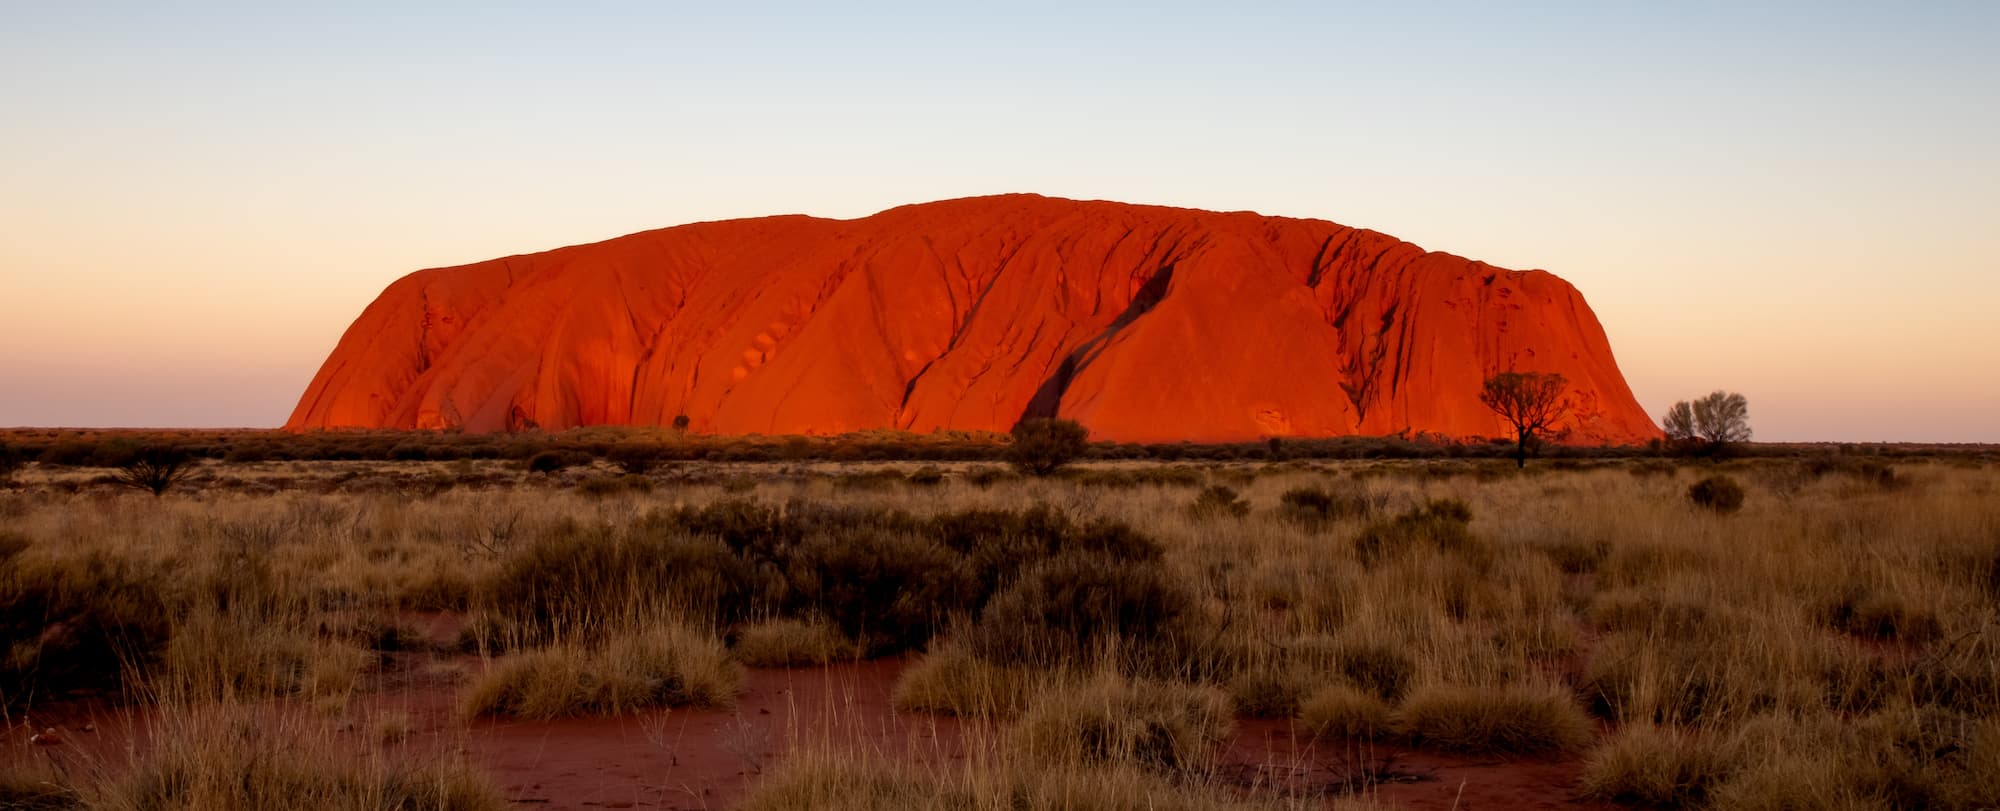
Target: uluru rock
[{"x": 1145, "y": 323}]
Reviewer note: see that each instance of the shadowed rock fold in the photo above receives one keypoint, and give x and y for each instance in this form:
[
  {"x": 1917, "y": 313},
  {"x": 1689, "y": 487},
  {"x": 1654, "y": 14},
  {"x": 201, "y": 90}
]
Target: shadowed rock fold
[{"x": 1144, "y": 323}]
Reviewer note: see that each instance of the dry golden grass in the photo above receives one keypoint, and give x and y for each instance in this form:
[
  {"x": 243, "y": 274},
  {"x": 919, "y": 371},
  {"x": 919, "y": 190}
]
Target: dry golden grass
[
  {"x": 791, "y": 643},
  {"x": 657, "y": 664},
  {"x": 233, "y": 756},
  {"x": 1810, "y": 638},
  {"x": 1342, "y": 711},
  {"x": 1658, "y": 766},
  {"x": 951, "y": 681},
  {"x": 1531, "y": 719},
  {"x": 1112, "y": 720}
]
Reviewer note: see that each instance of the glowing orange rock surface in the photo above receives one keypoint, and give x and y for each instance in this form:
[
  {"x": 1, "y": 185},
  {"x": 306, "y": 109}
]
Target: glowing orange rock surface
[{"x": 1144, "y": 323}]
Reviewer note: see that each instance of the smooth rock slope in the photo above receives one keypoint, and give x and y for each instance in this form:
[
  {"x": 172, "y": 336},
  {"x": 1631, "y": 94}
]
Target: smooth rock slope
[{"x": 1145, "y": 323}]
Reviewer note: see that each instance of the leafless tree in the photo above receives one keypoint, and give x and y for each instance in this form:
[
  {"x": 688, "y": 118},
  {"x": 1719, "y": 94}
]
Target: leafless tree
[
  {"x": 1716, "y": 421},
  {"x": 1531, "y": 401}
]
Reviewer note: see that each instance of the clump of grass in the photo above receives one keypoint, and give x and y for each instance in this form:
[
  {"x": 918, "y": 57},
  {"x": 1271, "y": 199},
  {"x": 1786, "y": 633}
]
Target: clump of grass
[
  {"x": 1270, "y": 692},
  {"x": 1377, "y": 666},
  {"x": 228, "y": 759},
  {"x": 1718, "y": 494},
  {"x": 661, "y": 665},
  {"x": 608, "y": 486},
  {"x": 1218, "y": 501},
  {"x": 1315, "y": 507},
  {"x": 1443, "y": 524},
  {"x": 37, "y": 787},
  {"x": 1340, "y": 710},
  {"x": 215, "y": 655},
  {"x": 1527, "y": 719},
  {"x": 1112, "y": 720},
  {"x": 790, "y": 643},
  {"x": 1661, "y": 767},
  {"x": 951, "y": 681}
]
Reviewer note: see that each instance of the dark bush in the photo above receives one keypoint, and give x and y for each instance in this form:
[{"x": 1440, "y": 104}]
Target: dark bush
[
  {"x": 570, "y": 582},
  {"x": 1071, "y": 608},
  {"x": 1718, "y": 493},
  {"x": 635, "y": 459},
  {"x": 1380, "y": 669},
  {"x": 927, "y": 476},
  {"x": 10, "y": 461},
  {"x": 154, "y": 468},
  {"x": 74, "y": 624},
  {"x": 1043, "y": 446},
  {"x": 888, "y": 591},
  {"x": 1442, "y": 523},
  {"x": 555, "y": 461},
  {"x": 998, "y": 544},
  {"x": 1315, "y": 507},
  {"x": 410, "y": 452},
  {"x": 987, "y": 476}
]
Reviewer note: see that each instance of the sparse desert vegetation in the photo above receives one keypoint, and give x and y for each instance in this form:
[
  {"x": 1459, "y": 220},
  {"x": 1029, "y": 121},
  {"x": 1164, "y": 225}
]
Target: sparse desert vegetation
[{"x": 1761, "y": 631}]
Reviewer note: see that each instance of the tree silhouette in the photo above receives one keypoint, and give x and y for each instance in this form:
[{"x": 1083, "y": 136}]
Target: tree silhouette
[
  {"x": 154, "y": 468},
  {"x": 1718, "y": 420},
  {"x": 1042, "y": 446},
  {"x": 1530, "y": 401}
]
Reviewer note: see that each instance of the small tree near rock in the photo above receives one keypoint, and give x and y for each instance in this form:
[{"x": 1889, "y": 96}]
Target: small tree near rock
[
  {"x": 1530, "y": 401},
  {"x": 1043, "y": 446}
]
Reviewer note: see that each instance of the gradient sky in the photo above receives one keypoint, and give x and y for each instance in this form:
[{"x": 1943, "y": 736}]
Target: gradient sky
[{"x": 1798, "y": 201}]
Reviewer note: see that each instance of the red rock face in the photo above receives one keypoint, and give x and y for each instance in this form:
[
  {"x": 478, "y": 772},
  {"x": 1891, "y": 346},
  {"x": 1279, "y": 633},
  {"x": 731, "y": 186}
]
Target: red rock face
[{"x": 1144, "y": 323}]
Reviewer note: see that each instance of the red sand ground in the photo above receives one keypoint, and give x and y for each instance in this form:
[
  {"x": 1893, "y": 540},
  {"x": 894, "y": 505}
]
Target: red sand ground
[
  {"x": 1144, "y": 323},
  {"x": 684, "y": 759}
]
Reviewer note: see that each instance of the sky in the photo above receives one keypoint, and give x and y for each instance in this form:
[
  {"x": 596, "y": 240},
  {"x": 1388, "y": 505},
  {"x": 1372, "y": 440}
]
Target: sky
[{"x": 1796, "y": 201}]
